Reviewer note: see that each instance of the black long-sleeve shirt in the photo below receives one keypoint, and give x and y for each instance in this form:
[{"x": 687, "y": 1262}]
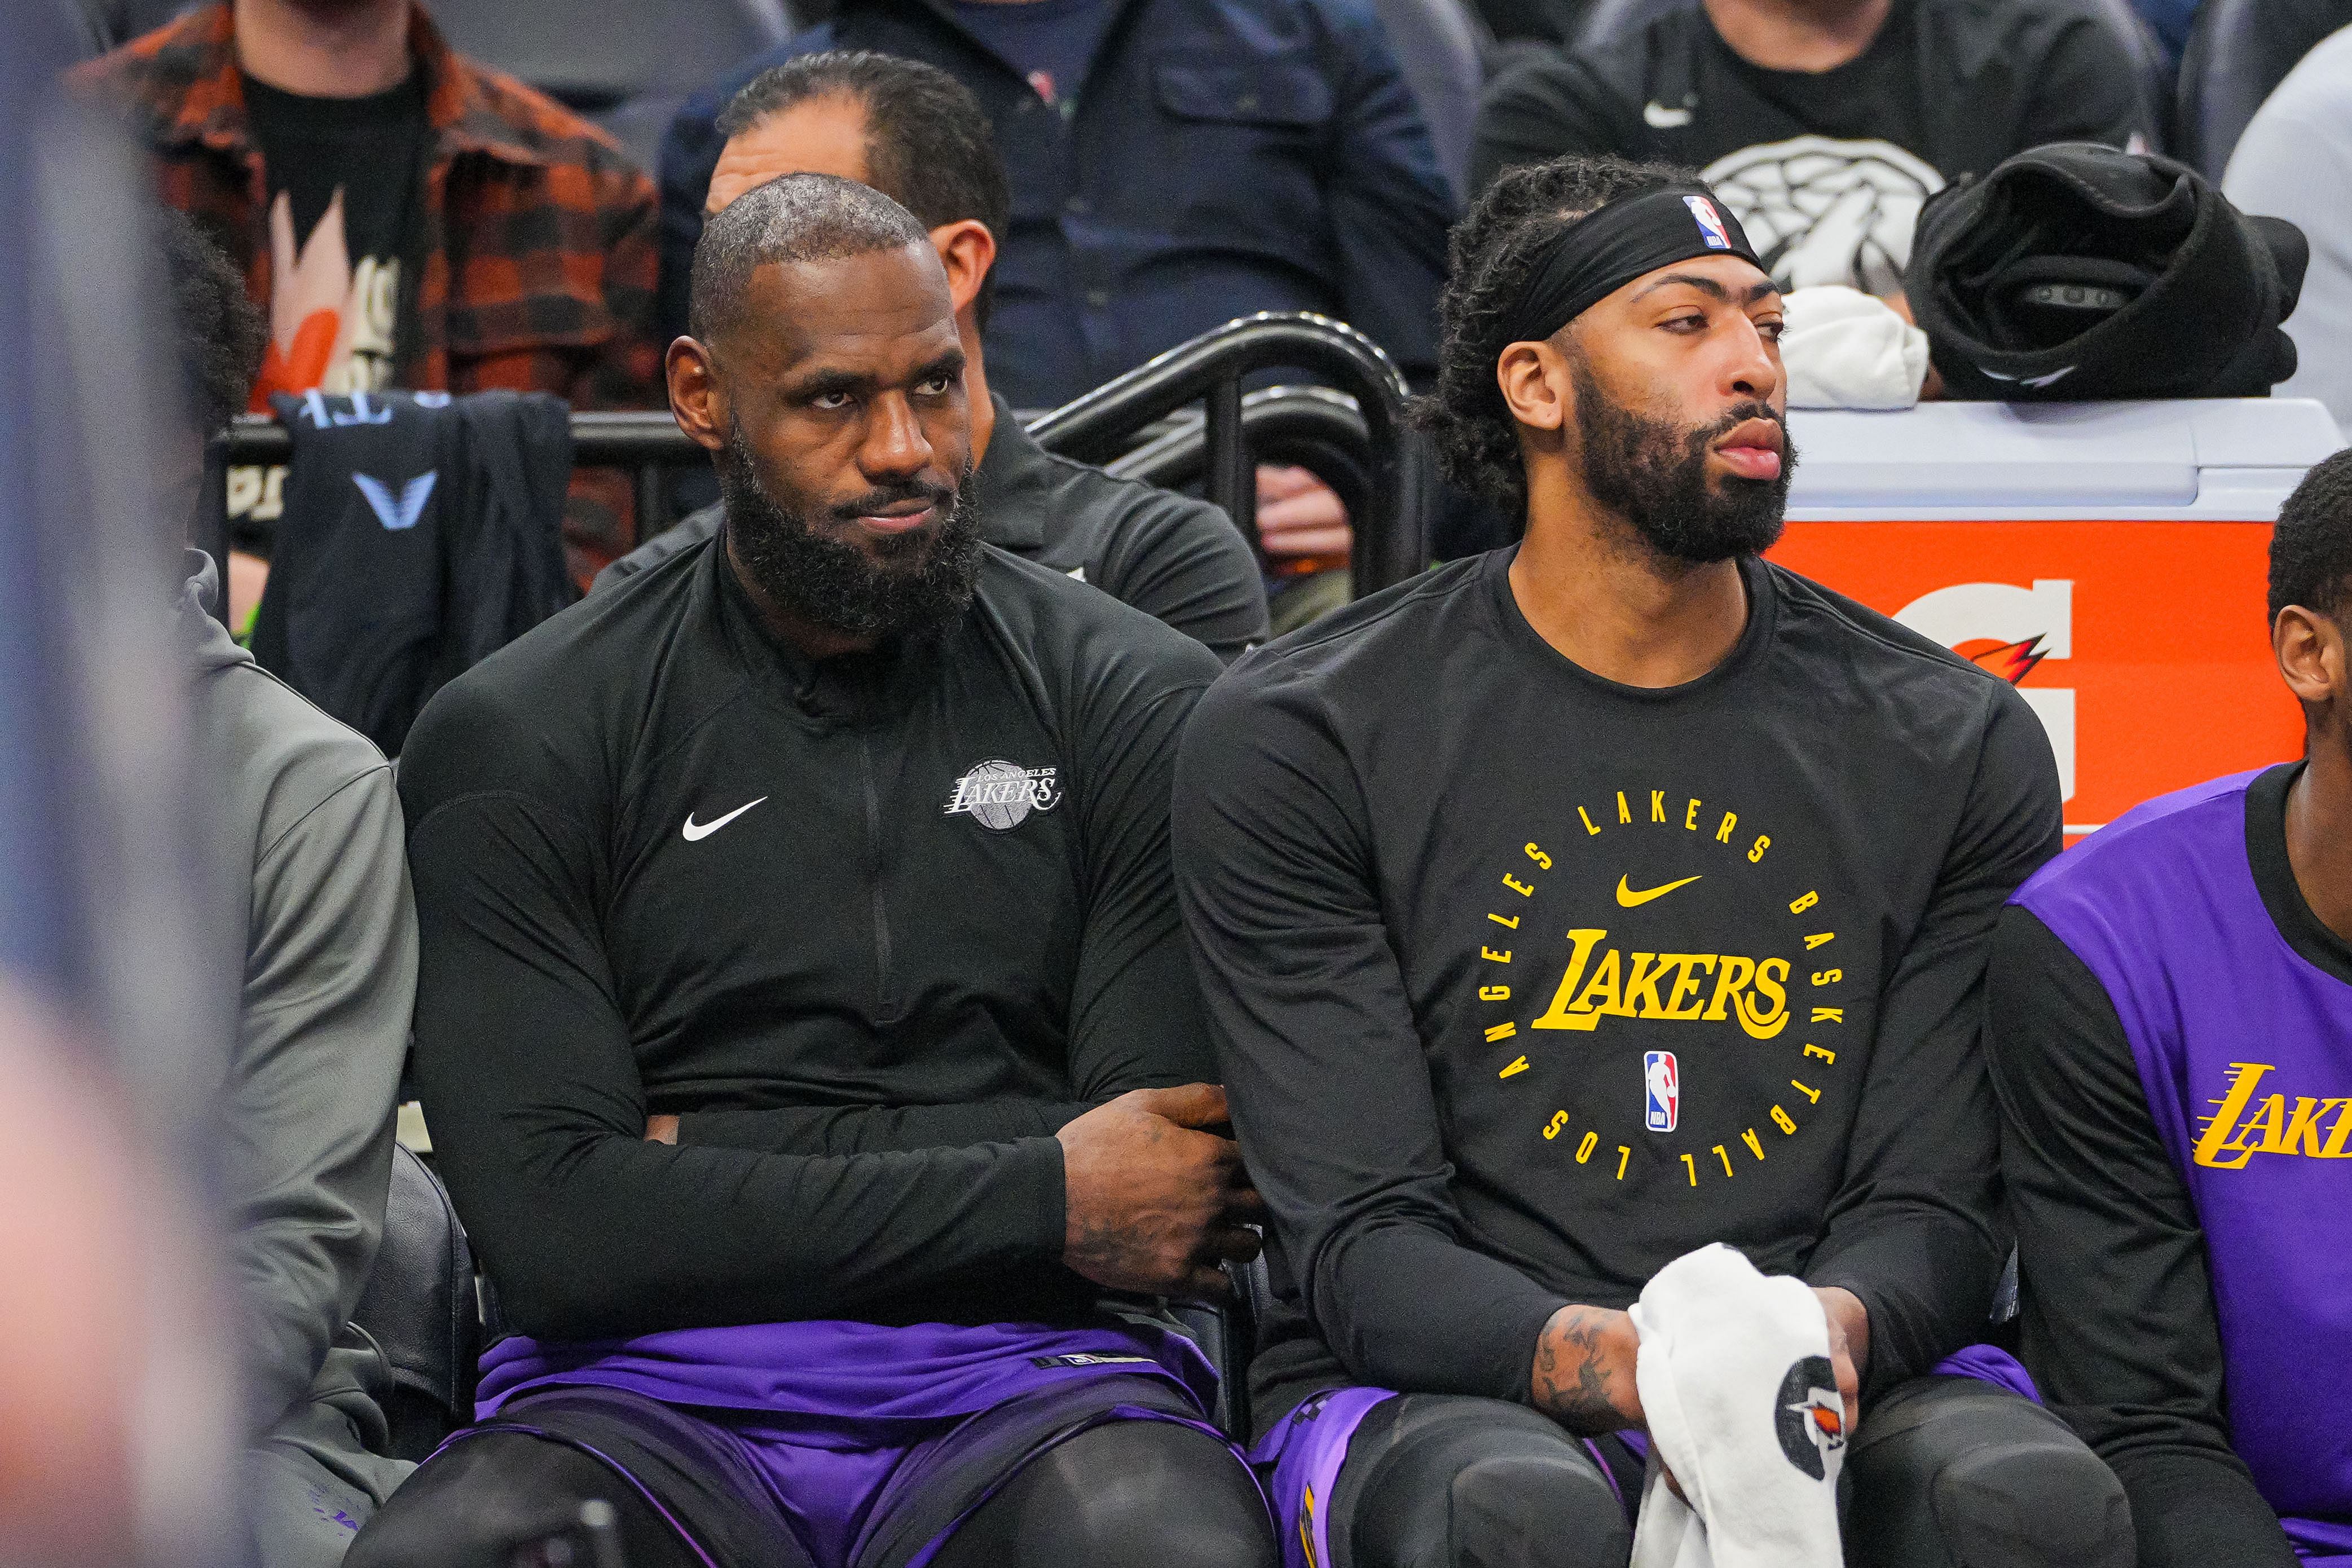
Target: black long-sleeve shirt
[
  {"x": 1526, "y": 983},
  {"x": 873, "y": 928}
]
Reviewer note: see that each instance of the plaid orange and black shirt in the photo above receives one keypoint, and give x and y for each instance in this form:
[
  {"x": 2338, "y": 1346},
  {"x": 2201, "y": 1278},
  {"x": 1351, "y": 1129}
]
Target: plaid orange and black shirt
[{"x": 537, "y": 260}]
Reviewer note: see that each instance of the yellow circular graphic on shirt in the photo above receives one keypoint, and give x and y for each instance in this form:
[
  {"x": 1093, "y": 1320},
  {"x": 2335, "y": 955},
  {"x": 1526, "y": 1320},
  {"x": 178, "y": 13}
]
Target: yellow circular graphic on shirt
[{"x": 1658, "y": 982}]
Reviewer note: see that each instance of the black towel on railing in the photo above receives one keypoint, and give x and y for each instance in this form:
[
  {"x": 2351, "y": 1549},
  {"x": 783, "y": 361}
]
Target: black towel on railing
[{"x": 421, "y": 533}]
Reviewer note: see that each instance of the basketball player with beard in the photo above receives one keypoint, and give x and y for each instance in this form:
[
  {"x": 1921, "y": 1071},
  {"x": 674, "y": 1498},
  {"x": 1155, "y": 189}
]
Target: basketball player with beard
[
  {"x": 1567, "y": 909},
  {"x": 804, "y": 1025}
]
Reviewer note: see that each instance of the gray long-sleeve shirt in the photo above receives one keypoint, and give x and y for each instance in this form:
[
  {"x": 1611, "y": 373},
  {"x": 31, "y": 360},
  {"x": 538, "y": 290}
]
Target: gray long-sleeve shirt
[{"x": 308, "y": 805}]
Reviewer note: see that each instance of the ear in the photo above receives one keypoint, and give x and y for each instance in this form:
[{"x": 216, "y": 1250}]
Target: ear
[
  {"x": 2310, "y": 649},
  {"x": 967, "y": 250},
  {"x": 1535, "y": 384},
  {"x": 697, "y": 399}
]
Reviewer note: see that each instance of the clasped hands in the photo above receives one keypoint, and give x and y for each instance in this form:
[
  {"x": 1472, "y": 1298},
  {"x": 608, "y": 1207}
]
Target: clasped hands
[
  {"x": 1584, "y": 1374},
  {"x": 1154, "y": 1204}
]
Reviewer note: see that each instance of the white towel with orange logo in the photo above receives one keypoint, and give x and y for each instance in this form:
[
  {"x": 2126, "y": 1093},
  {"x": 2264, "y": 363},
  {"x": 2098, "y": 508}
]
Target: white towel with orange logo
[{"x": 1735, "y": 1378}]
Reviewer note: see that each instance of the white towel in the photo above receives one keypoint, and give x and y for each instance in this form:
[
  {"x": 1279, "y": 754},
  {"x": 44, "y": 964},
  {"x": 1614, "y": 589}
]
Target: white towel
[
  {"x": 1735, "y": 1378},
  {"x": 1843, "y": 349}
]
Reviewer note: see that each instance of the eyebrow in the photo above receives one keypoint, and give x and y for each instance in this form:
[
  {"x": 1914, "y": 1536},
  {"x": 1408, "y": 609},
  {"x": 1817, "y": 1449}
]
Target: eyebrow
[
  {"x": 1710, "y": 288},
  {"x": 825, "y": 383}
]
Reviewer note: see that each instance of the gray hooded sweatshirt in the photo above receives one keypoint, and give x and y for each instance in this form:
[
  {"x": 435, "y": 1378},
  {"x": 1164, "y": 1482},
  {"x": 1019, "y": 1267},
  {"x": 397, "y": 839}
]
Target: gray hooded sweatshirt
[{"x": 307, "y": 806}]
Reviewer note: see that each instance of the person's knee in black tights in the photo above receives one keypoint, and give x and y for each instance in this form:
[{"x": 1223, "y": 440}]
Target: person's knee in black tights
[
  {"x": 486, "y": 1497},
  {"x": 1132, "y": 1494},
  {"x": 1948, "y": 1472},
  {"x": 1449, "y": 1481}
]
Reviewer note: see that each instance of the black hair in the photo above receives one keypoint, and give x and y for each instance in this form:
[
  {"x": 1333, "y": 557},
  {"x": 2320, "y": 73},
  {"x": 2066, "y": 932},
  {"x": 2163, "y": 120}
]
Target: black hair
[
  {"x": 1491, "y": 256},
  {"x": 928, "y": 144},
  {"x": 219, "y": 328},
  {"x": 799, "y": 217},
  {"x": 2311, "y": 547}
]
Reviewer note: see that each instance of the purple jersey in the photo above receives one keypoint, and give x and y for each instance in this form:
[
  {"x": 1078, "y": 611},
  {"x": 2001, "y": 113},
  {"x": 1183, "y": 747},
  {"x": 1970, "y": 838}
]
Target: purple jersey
[{"x": 2244, "y": 1050}]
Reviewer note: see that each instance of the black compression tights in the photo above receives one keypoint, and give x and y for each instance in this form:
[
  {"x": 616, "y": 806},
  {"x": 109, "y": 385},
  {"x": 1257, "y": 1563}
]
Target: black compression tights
[
  {"x": 1945, "y": 1472},
  {"x": 1131, "y": 1494}
]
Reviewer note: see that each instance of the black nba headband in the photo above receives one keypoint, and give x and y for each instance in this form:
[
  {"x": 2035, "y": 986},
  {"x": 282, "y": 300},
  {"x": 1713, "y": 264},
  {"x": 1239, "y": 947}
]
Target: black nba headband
[{"x": 1616, "y": 243}]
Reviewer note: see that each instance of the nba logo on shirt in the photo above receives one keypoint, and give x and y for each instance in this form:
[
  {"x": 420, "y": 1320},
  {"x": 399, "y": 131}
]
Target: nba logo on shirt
[
  {"x": 1710, "y": 223},
  {"x": 1662, "y": 1097}
]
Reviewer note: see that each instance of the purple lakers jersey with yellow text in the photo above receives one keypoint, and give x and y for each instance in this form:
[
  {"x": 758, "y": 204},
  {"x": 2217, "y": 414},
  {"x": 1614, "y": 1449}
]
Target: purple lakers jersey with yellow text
[{"x": 2244, "y": 1047}]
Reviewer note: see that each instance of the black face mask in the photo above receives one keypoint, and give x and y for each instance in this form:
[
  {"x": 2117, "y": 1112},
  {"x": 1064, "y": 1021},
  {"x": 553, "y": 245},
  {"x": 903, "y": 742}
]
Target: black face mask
[
  {"x": 913, "y": 580},
  {"x": 1653, "y": 475}
]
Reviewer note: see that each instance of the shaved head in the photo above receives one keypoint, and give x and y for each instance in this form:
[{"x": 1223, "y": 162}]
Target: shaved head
[{"x": 800, "y": 217}]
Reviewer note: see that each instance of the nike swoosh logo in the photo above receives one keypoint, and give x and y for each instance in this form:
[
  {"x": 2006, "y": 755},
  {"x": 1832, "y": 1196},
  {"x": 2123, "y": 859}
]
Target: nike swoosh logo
[
  {"x": 1665, "y": 119},
  {"x": 696, "y": 832},
  {"x": 1631, "y": 899}
]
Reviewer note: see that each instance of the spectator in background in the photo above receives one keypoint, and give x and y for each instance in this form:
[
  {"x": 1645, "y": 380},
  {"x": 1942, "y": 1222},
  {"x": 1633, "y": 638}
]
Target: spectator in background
[
  {"x": 918, "y": 135},
  {"x": 1173, "y": 163},
  {"x": 1823, "y": 124},
  {"x": 307, "y": 808},
  {"x": 409, "y": 219},
  {"x": 2294, "y": 162},
  {"x": 2170, "y": 1011}
]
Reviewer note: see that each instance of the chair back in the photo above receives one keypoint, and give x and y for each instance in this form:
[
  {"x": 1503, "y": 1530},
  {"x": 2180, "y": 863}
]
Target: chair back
[
  {"x": 1437, "y": 44},
  {"x": 418, "y": 1306},
  {"x": 2239, "y": 51}
]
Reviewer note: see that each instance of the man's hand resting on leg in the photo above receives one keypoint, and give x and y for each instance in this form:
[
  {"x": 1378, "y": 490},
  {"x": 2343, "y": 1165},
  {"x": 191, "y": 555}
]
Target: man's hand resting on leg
[
  {"x": 1584, "y": 1374},
  {"x": 1154, "y": 1204}
]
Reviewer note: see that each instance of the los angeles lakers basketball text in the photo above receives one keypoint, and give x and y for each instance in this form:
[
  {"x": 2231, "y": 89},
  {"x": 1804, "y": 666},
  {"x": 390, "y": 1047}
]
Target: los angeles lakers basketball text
[{"x": 1561, "y": 981}]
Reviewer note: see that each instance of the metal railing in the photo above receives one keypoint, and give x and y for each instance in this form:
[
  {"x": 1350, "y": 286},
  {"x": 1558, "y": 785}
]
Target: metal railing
[
  {"x": 1392, "y": 527},
  {"x": 1354, "y": 438}
]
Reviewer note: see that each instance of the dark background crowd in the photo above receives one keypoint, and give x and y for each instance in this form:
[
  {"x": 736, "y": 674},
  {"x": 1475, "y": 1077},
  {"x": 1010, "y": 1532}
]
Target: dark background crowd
[{"x": 521, "y": 186}]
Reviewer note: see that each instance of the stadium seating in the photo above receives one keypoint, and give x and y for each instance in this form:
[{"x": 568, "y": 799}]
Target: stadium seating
[
  {"x": 624, "y": 64},
  {"x": 1438, "y": 44},
  {"x": 2238, "y": 51},
  {"x": 419, "y": 1309}
]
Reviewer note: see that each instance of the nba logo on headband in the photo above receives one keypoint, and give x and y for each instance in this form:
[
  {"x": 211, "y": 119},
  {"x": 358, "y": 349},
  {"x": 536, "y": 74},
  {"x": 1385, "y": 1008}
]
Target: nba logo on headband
[{"x": 1710, "y": 223}]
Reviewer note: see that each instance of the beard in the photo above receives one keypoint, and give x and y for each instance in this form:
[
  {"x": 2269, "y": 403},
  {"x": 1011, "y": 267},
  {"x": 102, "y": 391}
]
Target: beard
[
  {"x": 913, "y": 580},
  {"x": 1653, "y": 475}
]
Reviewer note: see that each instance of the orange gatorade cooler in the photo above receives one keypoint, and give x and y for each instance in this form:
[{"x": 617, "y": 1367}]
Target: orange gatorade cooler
[{"x": 2109, "y": 558}]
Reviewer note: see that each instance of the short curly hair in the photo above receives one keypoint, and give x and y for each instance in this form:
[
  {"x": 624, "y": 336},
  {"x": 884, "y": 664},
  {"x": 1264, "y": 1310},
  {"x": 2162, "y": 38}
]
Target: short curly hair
[
  {"x": 219, "y": 330},
  {"x": 2311, "y": 547},
  {"x": 1493, "y": 253}
]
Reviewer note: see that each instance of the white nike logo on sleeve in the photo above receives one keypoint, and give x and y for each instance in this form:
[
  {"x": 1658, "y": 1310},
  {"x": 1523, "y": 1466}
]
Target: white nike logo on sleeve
[{"x": 695, "y": 832}]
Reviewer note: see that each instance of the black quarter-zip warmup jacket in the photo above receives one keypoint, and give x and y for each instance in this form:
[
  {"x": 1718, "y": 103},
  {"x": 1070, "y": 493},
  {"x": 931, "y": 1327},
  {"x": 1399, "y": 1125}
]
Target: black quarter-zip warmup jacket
[{"x": 873, "y": 928}]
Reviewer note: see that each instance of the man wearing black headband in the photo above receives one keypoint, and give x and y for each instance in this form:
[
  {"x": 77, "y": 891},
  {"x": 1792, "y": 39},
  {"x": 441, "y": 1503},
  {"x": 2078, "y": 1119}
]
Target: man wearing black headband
[{"x": 1571, "y": 908}]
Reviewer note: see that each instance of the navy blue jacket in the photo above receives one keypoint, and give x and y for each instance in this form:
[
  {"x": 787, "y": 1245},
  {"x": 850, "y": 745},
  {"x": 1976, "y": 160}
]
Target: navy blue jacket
[{"x": 1223, "y": 157}]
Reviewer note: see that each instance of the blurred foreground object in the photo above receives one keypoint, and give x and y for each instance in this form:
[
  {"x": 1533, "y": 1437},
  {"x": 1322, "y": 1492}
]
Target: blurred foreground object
[{"x": 116, "y": 1401}]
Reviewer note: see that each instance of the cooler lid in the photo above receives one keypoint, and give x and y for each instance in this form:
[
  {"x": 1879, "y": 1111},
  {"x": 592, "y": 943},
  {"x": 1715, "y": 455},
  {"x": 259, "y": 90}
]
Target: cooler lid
[{"x": 2219, "y": 459}]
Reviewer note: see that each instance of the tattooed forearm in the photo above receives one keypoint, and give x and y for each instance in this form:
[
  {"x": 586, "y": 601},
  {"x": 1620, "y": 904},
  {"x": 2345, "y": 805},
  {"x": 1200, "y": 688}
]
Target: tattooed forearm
[{"x": 1584, "y": 1374}]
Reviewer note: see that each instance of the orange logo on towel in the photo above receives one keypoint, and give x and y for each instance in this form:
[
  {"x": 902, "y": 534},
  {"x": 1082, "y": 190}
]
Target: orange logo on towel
[{"x": 1810, "y": 1419}]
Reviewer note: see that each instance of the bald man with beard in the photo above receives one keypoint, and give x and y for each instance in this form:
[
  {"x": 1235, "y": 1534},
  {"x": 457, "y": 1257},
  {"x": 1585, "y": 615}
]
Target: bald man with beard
[{"x": 804, "y": 1025}]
